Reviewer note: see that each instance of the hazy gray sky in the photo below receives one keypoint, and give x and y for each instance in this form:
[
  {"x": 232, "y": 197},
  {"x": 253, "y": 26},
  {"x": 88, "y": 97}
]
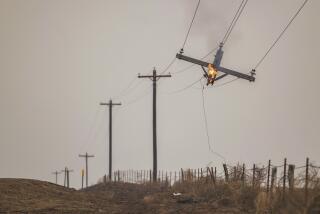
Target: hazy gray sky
[{"x": 59, "y": 59}]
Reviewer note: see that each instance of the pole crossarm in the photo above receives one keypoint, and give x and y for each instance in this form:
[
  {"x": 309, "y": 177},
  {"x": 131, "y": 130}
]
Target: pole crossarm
[
  {"x": 108, "y": 104},
  {"x": 151, "y": 76},
  {"x": 89, "y": 156},
  {"x": 227, "y": 71},
  {"x": 56, "y": 173}
]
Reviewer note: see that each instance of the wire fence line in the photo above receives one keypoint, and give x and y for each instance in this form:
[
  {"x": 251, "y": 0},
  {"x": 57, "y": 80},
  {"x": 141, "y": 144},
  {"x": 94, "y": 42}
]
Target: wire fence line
[
  {"x": 276, "y": 182},
  {"x": 269, "y": 178}
]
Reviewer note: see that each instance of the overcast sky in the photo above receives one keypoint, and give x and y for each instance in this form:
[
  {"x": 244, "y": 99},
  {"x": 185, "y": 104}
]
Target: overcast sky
[{"x": 60, "y": 59}]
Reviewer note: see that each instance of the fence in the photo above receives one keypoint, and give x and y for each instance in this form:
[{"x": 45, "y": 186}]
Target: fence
[{"x": 271, "y": 178}]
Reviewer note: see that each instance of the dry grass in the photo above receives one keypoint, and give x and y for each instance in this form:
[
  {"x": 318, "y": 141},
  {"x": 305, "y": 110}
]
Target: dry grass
[{"x": 237, "y": 193}]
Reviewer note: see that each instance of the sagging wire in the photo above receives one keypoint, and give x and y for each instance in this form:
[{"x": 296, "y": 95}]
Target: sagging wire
[{"x": 207, "y": 129}]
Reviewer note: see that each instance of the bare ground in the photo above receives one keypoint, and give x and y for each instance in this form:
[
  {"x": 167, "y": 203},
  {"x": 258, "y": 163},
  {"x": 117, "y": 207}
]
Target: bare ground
[{"x": 32, "y": 196}]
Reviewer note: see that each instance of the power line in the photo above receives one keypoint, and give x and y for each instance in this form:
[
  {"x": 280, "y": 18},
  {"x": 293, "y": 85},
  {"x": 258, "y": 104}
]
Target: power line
[
  {"x": 146, "y": 92},
  {"x": 235, "y": 16},
  {"x": 273, "y": 45},
  {"x": 226, "y": 36},
  {"x": 225, "y": 83},
  {"x": 125, "y": 89},
  {"x": 185, "y": 40},
  {"x": 234, "y": 20},
  {"x": 194, "y": 15},
  {"x": 170, "y": 64},
  {"x": 281, "y": 34},
  {"x": 186, "y": 87}
]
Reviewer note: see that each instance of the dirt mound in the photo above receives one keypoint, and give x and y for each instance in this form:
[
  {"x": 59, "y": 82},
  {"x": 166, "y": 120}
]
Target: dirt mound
[
  {"x": 25, "y": 195},
  {"x": 31, "y": 196}
]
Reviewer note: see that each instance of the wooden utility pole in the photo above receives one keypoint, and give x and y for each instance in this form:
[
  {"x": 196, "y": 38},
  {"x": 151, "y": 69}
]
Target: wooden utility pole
[
  {"x": 110, "y": 104},
  {"x": 66, "y": 181},
  {"x": 86, "y": 156},
  {"x": 154, "y": 77},
  {"x": 56, "y": 173}
]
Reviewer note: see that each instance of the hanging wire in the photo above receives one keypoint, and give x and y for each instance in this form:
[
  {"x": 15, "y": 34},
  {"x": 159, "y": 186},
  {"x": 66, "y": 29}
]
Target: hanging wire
[
  {"x": 281, "y": 34},
  {"x": 207, "y": 130}
]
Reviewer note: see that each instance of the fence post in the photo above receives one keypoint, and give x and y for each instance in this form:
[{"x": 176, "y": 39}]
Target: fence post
[
  {"x": 253, "y": 175},
  {"x": 182, "y": 176},
  {"x": 284, "y": 177},
  {"x": 226, "y": 174},
  {"x": 210, "y": 173},
  {"x": 268, "y": 178},
  {"x": 198, "y": 174},
  {"x": 307, "y": 182},
  {"x": 273, "y": 179},
  {"x": 291, "y": 177},
  {"x": 207, "y": 176},
  {"x": 215, "y": 173},
  {"x": 243, "y": 174}
]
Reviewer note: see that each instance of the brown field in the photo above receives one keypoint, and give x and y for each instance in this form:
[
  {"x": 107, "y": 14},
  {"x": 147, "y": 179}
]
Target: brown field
[{"x": 32, "y": 196}]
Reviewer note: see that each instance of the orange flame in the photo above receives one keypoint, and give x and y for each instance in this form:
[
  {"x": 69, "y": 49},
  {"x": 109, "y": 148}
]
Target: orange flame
[{"x": 212, "y": 71}]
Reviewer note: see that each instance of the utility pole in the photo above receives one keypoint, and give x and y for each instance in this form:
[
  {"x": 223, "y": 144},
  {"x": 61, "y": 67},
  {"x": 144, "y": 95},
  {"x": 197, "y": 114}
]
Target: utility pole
[
  {"x": 66, "y": 181},
  {"x": 110, "y": 104},
  {"x": 56, "y": 173},
  {"x": 86, "y": 156},
  {"x": 215, "y": 67},
  {"x": 82, "y": 175},
  {"x": 154, "y": 77}
]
